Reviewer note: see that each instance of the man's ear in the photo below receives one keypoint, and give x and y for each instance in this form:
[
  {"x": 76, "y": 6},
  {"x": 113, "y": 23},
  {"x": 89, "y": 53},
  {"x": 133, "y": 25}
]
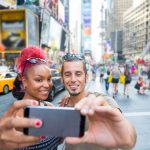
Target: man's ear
[
  {"x": 86, "y": 77},
  {"x": 62, "y": 79}
]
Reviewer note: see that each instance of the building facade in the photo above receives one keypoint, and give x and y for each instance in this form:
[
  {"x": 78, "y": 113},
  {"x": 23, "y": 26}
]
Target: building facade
[
  {"x": 136, "y": 30},
  {"x": 114, "y": 24}
]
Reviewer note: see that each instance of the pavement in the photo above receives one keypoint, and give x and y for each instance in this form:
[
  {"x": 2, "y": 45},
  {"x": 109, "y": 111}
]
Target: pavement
[{"x": 136, "y": 108}]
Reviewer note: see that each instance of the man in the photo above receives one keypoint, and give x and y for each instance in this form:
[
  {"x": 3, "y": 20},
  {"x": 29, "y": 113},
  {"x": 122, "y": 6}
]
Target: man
[{"x": 109, "y": 128}]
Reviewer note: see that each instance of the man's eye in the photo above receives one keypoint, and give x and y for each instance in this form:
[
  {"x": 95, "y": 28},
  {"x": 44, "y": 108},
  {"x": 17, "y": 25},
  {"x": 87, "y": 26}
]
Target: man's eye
[
  {"x": 79, "y": 74},
  {"x": 67, "y": 75}
]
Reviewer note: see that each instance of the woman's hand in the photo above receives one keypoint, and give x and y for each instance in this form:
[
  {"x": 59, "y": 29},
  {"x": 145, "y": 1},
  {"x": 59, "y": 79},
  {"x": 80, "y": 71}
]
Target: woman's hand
[
  {"x": 11, "y": 125},
  {"x": 107, "y": 127}
]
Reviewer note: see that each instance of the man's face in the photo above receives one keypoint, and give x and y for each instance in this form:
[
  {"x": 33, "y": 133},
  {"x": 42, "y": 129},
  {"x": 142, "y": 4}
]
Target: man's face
[
  {"x": 74, "y": 77},
  {"x": 38, "y": 82}
]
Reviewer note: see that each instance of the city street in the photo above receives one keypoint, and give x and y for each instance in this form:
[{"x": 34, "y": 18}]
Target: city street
[{"x": 136, "y": 109}]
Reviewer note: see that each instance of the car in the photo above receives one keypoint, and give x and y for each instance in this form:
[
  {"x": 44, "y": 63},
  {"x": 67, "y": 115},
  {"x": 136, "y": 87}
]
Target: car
[
  {"x": 57, "y": 84},
  {"x": 6, "y": 81},
  {"x": 18, "y": 90}
]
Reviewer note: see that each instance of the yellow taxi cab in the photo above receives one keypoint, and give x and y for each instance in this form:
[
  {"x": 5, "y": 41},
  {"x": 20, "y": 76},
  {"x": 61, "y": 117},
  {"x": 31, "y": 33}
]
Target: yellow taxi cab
[{"x": 6, "y": 81}]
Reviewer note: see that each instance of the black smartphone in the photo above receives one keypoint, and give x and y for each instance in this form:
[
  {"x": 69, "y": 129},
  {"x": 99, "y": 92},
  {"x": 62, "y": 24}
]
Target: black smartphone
[{"x": 57, "y": 121}]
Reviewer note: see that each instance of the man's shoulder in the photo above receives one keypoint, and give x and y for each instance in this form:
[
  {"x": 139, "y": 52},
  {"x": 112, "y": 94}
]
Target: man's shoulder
[
  {"x": 108, "y": 98},
  {"x": 64, "y": 101}
]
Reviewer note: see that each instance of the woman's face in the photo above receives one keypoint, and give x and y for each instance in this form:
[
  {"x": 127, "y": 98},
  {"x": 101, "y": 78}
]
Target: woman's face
[{"x": 37, "y": 82}]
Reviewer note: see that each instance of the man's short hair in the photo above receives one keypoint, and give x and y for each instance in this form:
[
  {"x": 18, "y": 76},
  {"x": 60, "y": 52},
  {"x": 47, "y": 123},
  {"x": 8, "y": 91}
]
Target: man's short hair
[
  {"x": 74, "y": 57},
  {"x": 44, "y": 46}
]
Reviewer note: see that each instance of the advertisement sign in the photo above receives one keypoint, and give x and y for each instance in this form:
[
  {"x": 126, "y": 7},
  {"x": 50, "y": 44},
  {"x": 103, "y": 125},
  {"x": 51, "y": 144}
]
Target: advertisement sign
[
  {"x": 55, "y": 34},
  {"x": 61, "y": 12},
  {"x": 45, "y": 31},
  {"x": 13, "y": 30},
  {"x": 86, "y": 21},
  {"x": 8, "y": 3},
  {"x": 52, "y": 5},
  {"x": 33, "y": 28}
]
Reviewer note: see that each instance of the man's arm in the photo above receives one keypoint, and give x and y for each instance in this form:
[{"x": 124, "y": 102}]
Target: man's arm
[{"x": 107, "y": 127}]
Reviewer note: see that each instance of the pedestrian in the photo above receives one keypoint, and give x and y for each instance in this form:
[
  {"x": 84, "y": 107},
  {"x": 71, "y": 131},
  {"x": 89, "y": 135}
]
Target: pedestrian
[
  {"x": 113, "y": 127},
  {"x": 127, "y": 75},
  {"x": 148, "y": 76},
  {"x": 94, "y": 69},
  {"x": 115, "y": 79},
  {"x": 106, "y": 77},
  {"x": 133, "y": 68},
  {"x": 142, "y": 85}
]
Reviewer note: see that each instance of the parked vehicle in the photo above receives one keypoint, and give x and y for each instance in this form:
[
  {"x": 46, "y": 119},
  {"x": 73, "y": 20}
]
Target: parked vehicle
[
  {"x": 18, "y": 90},
  {"x": 6, "y": 81},
  {"x": 57, "y": 84}
]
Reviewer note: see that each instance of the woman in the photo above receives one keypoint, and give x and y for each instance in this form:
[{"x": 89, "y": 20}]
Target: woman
[
  {"x": 115, "y": 74},
  {"x": 106, "y": 77},
  {"x": 127, "y": 75},
  {"x": 35, "y": 75},
  {"x": 142, "y": 85}
]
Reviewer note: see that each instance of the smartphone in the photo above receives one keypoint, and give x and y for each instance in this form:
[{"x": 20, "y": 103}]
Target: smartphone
[{"x": 57, "y": 121}]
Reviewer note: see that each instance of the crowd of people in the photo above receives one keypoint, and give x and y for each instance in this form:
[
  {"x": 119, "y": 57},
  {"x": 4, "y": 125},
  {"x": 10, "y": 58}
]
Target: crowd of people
[
  {"x": 106, "y": 126},
  {"x": 115, "y": 74}
]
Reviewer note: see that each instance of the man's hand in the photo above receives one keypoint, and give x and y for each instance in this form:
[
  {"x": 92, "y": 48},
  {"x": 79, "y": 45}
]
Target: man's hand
[
  {"x": 11, "y": 125},
  {"x": 107, "y": 127}
]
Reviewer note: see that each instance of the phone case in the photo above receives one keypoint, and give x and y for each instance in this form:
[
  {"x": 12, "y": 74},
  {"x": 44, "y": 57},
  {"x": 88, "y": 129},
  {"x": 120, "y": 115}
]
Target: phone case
[{"x": 57, "y": 121}]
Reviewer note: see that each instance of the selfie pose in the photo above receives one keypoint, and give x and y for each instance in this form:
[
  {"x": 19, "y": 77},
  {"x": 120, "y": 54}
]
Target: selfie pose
[{"x": 106, "y": 126}]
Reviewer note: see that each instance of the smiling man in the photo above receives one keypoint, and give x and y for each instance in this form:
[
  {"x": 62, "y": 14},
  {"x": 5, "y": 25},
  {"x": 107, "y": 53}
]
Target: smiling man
[{"x": 108, "y": 128}]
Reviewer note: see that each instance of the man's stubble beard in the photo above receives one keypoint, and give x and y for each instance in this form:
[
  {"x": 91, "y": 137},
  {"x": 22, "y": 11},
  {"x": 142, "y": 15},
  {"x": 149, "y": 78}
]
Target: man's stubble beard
[{"x": 74, "y": 94}]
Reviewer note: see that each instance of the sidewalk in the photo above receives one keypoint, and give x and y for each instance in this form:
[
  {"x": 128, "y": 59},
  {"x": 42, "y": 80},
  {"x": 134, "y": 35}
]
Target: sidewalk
[{"x": 97, "y": 86}]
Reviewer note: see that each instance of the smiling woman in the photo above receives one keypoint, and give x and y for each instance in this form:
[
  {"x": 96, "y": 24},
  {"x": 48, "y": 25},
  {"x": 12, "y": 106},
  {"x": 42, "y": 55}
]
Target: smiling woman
[{"x": 36, "y": 79}]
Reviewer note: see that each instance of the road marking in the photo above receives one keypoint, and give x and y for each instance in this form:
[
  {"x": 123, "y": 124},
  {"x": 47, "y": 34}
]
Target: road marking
[{"x": 132, "y": 114}]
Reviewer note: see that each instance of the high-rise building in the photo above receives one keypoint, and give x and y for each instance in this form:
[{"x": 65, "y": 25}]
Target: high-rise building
[
  {"x": 114, "y": 23},
  {"x": 137, "y": 31}
]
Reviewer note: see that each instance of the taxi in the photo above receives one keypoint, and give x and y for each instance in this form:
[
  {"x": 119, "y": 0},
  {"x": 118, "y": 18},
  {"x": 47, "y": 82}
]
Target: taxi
[{"x": 6, "y": 81}]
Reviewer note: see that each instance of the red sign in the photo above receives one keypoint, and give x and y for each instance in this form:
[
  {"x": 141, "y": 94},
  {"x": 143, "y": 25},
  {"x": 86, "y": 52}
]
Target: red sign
[{"x": 140, "y": 61}]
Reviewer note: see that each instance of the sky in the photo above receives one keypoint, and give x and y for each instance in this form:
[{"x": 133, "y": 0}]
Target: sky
[{"x": 96, "y": 40}]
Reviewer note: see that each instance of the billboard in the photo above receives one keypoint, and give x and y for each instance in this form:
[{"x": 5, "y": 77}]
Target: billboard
[
  {"x": 12, "y": 29},
  {"x": 8, "y": 3},
  {"x": 55, "y": 34},
  {"x": 33, "y": 28},
  {"x": 86, "y": 25}
]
